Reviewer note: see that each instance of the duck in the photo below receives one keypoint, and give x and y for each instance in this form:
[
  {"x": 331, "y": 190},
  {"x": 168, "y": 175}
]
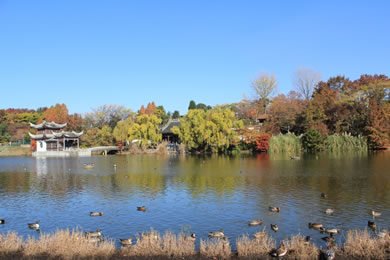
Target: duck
[
  {"x": 330, "y": 239},
  {"x": 376, "y": 213},
  {"x": 34, "y": 225},
  {"x": 329, "y": 211},
  {"x": 274, "y": 209},
  {"x": 218, "y": 234},
  {"x": 281, "y": 251},
  {"x": 192, "y": 237},
  {"x": 97, "y": 233},
  {"x": 259, "y": 234},
  {"x": 274, "y": 227},
  {"x": 324, "y": 196},
  {"x": 330, "y": 230},
  {"x": 255, "y": 222},
  {"x": 142, "y": 208},
  {"x": 372, "y": 224},
  {"x": 89, "y": 165},
  {"x": 126, "y": 241},
  {"x": 329, "y": 253},
  {"x": 315, "y": 225},
  {"x": 295, "y": 157},
  {"x": 2, "y": 221},
  {"x": 94, "y": 214},
  {"x": 306, "y": 241},
  {"x": 382, "y": 234}
]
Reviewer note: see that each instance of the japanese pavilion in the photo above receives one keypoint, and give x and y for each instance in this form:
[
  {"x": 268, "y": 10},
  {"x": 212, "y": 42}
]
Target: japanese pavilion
[{"x": 49, "y": 138}]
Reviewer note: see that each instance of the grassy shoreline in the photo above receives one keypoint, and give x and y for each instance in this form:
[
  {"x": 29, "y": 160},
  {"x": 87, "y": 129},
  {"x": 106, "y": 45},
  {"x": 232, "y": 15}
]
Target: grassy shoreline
[
  {"x": 15, "y": 151},
  {"x": 65, "y": 244}
]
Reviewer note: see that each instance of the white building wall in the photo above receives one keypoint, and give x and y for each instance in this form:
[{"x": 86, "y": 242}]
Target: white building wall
[{"x": 41, "y": 146}]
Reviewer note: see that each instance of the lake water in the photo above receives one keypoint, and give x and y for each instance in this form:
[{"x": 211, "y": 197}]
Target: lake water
[{"x": 194, "y": 194}]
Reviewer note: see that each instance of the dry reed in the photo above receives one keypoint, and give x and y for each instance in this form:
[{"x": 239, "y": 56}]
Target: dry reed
[
  {"x": 151, "y": 244},
  {"x": 298, "y": 248},
  {"x": 255, "y": 247},
  {"x": 10, "y": 243},
  {"x": 360, "y": 243},
  {"x": 67, "y": 245},
  {"x": 215, "y": 248}
]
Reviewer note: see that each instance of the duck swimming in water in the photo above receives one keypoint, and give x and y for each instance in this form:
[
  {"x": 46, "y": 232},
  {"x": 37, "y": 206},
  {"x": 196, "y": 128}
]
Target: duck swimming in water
[
  {"x": 126, "y": 241},
  {"x": 97, "y": 233},
  {"x": 218, "y": 234},
  {"x": 274, "y": 209},
  {"x": 95, "y": 214},
  {"x": 371, "y": 224},
  {"x": 34, "y": 225},
  {"x": 255, "y": 222},
  {"x": 329, "y": 211},
  {"x": 315, "y": 225},
  {"x": 274, "y": 227},
  {"x": 89, "y": 165},
  {"x": 2, "y": 221},
  {"x": 142, "y": 208},
  {"x": 376, "y": 213}
]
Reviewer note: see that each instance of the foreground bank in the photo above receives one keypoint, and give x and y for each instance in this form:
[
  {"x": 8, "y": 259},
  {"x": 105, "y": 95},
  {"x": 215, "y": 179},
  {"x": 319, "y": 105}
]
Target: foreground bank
[{"x": 65, "y": 244}]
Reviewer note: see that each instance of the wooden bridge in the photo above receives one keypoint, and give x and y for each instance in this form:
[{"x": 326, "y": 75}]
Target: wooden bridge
[{"x": 104, "y": 149}]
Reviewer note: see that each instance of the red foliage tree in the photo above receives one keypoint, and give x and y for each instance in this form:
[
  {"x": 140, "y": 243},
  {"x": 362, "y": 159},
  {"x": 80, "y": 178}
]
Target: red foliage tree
[
  {"x": 33, "y": 145},
  {"x": 262, "y": 142},
  {"x": 142, "y": 110},
  {"x": 58, "y": 113}
]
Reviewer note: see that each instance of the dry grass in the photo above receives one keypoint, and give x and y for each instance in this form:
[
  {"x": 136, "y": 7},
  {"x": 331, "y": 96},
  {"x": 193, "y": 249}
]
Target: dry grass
[
  {"x": 215, "y": 248},
  {"x": 360, "y": 243},
  {"x": 255, "y": 247},
  {"x": 152, "y": 244},
  {"x": 10, "y": 243},
  {"x": 67, "y": 245},
  {"x": 297, "y": 249}
]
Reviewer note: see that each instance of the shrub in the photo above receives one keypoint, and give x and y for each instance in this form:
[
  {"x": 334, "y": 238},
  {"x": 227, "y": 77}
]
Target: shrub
[{"x": 312, "y": 140}]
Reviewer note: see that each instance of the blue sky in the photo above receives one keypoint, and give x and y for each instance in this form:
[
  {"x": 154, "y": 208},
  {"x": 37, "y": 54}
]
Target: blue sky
[{"x": 90, "y": 53}]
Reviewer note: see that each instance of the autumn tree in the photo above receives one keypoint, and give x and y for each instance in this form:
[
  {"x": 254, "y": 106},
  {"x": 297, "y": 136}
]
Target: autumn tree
[
  {"x": 212, "y": 130},
  {"x": 58, "y": 113},
  {"x": 146, "y": 130},
  {"x": 104, "y": 136},
  {"x": 264, "y": 85},
  {"x": 283, "y": 113},
  {"x": 121, "y": 130},
  {"x": 305, "y": 80},
  {"x": 150, "y": 108}
]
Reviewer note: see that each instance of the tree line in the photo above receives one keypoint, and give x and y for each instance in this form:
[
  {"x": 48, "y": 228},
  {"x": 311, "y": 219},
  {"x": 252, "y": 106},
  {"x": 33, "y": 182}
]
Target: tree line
[{"x": 314, "y": 110}]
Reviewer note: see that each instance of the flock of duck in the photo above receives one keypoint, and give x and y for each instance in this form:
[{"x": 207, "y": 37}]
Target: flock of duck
[
  {"x": 96, "y": 236},
  {"x": 329, "y": 253}
]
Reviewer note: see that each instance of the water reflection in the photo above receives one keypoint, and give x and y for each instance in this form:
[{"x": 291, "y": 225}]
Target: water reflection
[{"x": 199, "y": 193}]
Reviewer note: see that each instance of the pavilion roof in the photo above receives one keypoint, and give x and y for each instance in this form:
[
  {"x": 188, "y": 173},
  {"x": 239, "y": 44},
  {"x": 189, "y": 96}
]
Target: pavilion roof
[
  {"x": 48, "y": 125},
  {"x": 167, "y": 128},
  {"x": 54, "y": 135}
]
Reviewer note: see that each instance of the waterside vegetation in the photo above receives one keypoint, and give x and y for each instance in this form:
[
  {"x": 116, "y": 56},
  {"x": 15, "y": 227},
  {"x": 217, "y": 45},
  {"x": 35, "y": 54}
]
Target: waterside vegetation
[
  {"x": 65, "y": 244},
  {"x": 335, "y": 115}
]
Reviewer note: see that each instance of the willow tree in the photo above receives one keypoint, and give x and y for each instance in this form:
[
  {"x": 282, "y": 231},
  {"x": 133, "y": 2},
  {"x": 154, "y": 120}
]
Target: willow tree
[
  {"x": 212, "y": 130},
  {"x": 121, "y": 130},
  {"x": 146, "y": 130}
]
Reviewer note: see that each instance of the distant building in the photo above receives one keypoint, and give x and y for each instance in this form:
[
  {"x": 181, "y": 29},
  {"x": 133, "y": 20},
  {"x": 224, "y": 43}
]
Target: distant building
[
  {"x": 49, "y": 139},
  {"x": 262, "y": 118},
  {"x": 166, "y": 131}
]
